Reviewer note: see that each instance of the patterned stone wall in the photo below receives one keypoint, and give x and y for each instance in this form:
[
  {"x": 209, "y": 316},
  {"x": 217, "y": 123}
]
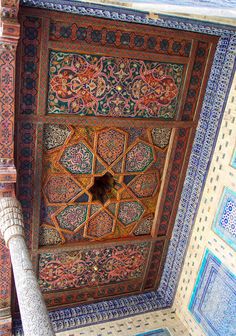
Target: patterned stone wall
[{"x": 205, "y": 300}]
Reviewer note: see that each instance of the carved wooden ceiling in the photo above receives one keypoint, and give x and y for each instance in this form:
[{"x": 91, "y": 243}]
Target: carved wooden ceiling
[{"x": 106, "y": 116}]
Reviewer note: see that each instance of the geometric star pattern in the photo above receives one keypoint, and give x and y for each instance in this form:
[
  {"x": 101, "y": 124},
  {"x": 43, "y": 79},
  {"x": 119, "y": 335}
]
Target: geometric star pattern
[
  {"x": 72, "y": 217},
  {"x": 100, "y": 225},
  {"x": 103, "y": 181},
  {"x": 110, "y": 145},
  {"x": 77, "y": 159},
  {"x": 60, "y": 189},
  {"x": 55, "y": 135},
  {"x": 139, "y": 158},
  {"x": 144, "y": 226},
  {"x": 144, "y": 185},
  {"x": 130, "y": 212}
]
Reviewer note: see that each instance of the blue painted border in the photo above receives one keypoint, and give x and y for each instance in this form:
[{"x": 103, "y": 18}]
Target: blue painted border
[
  {"x": 227, "y": 237},
  {"x": 208, "y": 327},
  {"x": 199, "y": 279},
  {"x": 210, "y": 119}
]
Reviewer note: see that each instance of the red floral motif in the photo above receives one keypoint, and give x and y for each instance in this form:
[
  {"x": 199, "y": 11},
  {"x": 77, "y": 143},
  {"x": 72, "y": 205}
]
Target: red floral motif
[
  {"x": 94, "y": 85},
  {"x": 123, "y": 263},
  {"x": 153, "y": 89},
  {"x": 92, "y": 267}
]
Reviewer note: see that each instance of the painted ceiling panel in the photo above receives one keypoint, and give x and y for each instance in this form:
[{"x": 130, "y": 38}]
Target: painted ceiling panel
[
  {"x": 106, "y": 116},
  {"x": 113, "y": 86},
  {"x": 75, "y": 187},
  {"x": 92, "y": 267}
]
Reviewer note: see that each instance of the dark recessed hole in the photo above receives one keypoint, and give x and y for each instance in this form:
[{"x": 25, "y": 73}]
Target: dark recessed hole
[{"x": 101, "y": 190}]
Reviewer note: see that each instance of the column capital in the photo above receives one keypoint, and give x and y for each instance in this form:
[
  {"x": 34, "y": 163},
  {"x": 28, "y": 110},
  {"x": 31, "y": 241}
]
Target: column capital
[{"x": 11, "y": 218}]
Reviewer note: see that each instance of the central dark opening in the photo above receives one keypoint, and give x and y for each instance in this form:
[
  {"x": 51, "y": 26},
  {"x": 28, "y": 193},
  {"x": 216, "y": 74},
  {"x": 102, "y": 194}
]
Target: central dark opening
[{"x": 102, "y": 187}]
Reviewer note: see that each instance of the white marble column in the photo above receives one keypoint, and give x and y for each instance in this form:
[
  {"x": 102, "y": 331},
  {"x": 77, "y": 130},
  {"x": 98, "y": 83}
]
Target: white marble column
[{"x": 34, "y": 315}]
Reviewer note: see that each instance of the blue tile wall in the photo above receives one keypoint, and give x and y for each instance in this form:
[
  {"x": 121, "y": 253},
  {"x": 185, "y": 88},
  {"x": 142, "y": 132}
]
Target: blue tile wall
[
  {"x": 225, "y": 220},
  {"x": 213, "y": 302}
]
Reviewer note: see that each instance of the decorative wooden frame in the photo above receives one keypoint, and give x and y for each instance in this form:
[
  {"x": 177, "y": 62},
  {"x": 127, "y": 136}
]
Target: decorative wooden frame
[{"x": 183, "y": 125}]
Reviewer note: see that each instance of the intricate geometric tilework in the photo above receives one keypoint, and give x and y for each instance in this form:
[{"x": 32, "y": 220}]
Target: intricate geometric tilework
[
  {"x": 108, "y": 86},
  {"x": 55, "y": 135},
  {"x": 30, "y": 55},
  {"x": 161, "y": 136},
  {"x": 7, "y": 97},
  {"x": 101, "y": 187},
  {"x": 130, "y": 212},
  {"x": 117, "y": 167},
  {"x": 213, "y": 302},
  {"x": 110, "y": 145},
  {"x": 152, "y": 276},
  {"x": 145, "y": 225},
  {"x": 195, "y": 82},
  {"x": 145, "y": 185},
  {"x": 126, "y": 39},
  {"x": 112, "y": 208},
  {"x": 94, "y": 208},
  {"x": 25, "y": 181},
  {"x": 60, "y": 189},
  {"x": 100, "y": 225},
  {"x": 225, "y": 221},
  {"x": 172, "y": 187},
  {"x": 92, "y": 267},
  {"x": 72, "y": 217},
  {"x": 78, "y": 159},
  {"x": 48, "y": 236},
  {"x": 139, "y": 158}
]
